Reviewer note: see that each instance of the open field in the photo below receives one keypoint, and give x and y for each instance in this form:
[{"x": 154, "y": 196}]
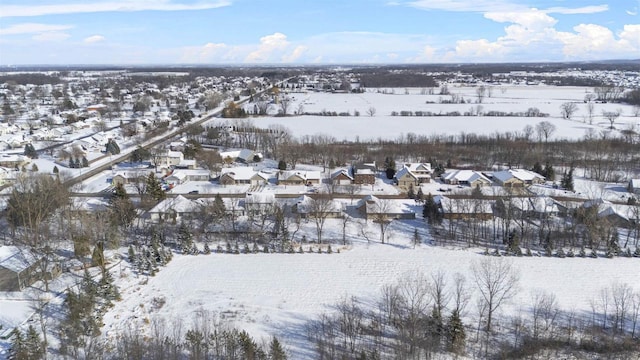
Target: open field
[{"x": 384, "y": 126}]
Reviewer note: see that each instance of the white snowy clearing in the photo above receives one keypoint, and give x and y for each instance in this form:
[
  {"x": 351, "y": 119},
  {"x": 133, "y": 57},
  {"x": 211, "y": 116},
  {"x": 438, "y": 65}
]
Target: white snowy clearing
[
  {"x": 547, "y": 99},
  {"x": 276, "y": 294}
]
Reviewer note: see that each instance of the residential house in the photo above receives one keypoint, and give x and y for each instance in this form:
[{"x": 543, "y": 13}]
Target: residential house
[
  {"x": 364, "y": 174},
  {"x": 259, "y": 203},
  {"x": 517, "y": 178},
  {"x": 166, "y": 159},
  {"x": 183, "y": 175},
  {"x": 173, "y": 210},
  {"x": 130, "y": 176},
  {"x": 372, "y": 207},
  {"x": 465, "y": 177},
  {"x": 308, "y": 207},
  {"x": 244, "y": 156},
  {"x": 465, "y": 208},
  {"x": 296, "y": 177},
  {"x": 536, "y": 206},
  {"x": 341, "y": 177},
  {"x": 617, "y": 214},
  {"x": 18, "y": 268},
  {"x": 243, "y": 176},
  {"x": 412, "y": 175},
  {"x": 13, "y": 160}
]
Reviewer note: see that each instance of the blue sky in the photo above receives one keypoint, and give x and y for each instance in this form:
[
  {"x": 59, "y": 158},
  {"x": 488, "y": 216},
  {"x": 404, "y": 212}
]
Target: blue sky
[{"x": 315, "y": 31}]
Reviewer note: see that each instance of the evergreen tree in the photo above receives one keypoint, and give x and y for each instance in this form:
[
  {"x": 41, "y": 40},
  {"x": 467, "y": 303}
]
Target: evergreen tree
[
  {"x": 456, "y": 334},
  {"x": 219, "y": 209},
  {"x": 34, "y": 168},
  {"x": 30, "y": 151},
  {"x": 537, "y": 168},
  {"x": 85, "y": 162},
  {"x": 112, "y": 147},
  {"x": 276, "y": 351},
  {"x": 56, "y": 170},
  {"x": 431, "y": 211},
  {"x": 419, "y": 195},
  {"x": 390, "y": 167},
  {"x": 35, "y": 347},
  {"x": 567, "y": 180},
  {"x": 18, "y": 347},
  {"x": 282, "y": 165},
  {"x": 549, "y": 172},
  {"x": 185, "y": 239},
  {"x": 154, "y": 189}
]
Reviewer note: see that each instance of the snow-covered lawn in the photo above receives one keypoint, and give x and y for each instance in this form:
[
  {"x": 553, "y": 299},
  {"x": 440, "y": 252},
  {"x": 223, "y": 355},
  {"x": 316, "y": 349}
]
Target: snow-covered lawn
[{"x": 275, "y": 294}]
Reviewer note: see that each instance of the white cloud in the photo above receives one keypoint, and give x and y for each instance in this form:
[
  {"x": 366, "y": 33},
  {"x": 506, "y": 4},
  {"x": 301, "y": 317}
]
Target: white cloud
[
  {"x": 532, "y": 19},
  {"x": 295, "y": 55},
  {"x": 596, "y": 41},
  {"x": 32, "y": 28},
  {"x": 111, "y": 6},
  {"x": 592, "y": 9},
  {"x": 51, "y": 36},
  {"x": 94, "y": 39},
  {"x": 479, "y": 49},
  {"x": 466, "y": 5},
  {"x": 268, "y": 44},
  {"x": 208, "y": 53}
]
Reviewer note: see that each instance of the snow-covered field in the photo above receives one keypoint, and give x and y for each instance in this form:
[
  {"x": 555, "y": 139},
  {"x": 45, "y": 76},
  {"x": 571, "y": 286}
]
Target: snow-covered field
[
  {"x": 275, "y": 294},
  {"x": 382, "y": 125}
]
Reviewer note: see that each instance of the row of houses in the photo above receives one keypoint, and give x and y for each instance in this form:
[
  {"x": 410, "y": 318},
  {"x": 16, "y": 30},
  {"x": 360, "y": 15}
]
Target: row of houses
[{"x": 180, "y": 208}]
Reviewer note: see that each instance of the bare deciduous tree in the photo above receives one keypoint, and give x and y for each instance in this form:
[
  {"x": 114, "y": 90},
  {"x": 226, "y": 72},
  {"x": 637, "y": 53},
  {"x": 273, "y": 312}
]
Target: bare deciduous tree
[
  {"x": 285, "y": 102},
  {"x": 371, "y": 111},
  {"x": 481, "y": 92},
  {"x": 611, "y": 116},
  {"x": 497, "y": 282},
  {"x": 568, "y": 109},
  {"x": 545, "y": 129}
]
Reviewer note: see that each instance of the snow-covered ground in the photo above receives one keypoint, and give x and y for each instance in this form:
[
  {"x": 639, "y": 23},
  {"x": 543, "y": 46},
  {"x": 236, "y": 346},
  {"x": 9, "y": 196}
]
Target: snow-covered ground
[
  {"x": 275, "y": 294},
  {"x": 382, "y": 125}
]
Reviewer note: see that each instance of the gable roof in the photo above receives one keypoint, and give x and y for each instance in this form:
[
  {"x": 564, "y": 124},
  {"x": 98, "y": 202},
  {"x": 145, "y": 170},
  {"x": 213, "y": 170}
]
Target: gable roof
[
  {"x": 238, "y": 173},
  {"x": 179, "y": 204},
  {"x": 520, "y": 174},
  {"x": 15, "y": 259},
  {"x": 464, "y": 175}
]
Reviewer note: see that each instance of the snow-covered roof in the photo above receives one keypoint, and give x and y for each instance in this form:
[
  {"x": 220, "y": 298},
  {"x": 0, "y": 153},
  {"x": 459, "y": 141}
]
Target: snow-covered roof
[
  {"x": 635, "y": 183},
  {"x": 539, "y": 204},
  {"x": 418, "y": 167},
  {"x": 466, "y": 206},
  {"x": 305, "y": 175},
  {"x": 239, "y": 173},
  {"x": 305, "y": 205},
  {"x": 341, "y": 172},
  {"x": 464, "y": 175},
  {"x": 179, "y": 204},
  {"x": 520, "y": 174},
  {"x": 15, "y": 259}
]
